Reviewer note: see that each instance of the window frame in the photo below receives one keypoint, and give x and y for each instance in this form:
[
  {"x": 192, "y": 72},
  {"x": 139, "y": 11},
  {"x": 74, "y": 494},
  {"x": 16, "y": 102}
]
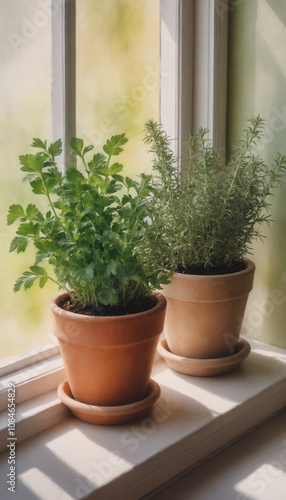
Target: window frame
[
  {"x": 186, "y": 63},
  {"x": 64, "y": 77},
  {"x": 194, "y": 69}
]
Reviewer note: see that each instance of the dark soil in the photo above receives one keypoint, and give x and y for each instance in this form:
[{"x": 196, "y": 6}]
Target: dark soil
[
  {"x": 131, "y": 308},
  {"x": 211, "y": 271}
]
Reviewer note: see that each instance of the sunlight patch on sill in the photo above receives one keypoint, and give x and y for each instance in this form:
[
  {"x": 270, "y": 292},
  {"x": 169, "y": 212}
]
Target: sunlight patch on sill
[
  {"x": 64, "y": 446},
  {"x": 210, "y": 389},
  {"x": 29, "y": 408},
  {"x": 258, "y": 485},
  {"x": 104, "y": 461},
  {"x": 37, "y": 482},
  {"x": 272, "y": 354}
]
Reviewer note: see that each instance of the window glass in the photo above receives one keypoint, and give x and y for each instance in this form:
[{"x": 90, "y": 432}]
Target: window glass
[
  {"x": 117, "y": 83},
  {"x": 118, "y": 74},
  {"x": 25, "y": 113}
]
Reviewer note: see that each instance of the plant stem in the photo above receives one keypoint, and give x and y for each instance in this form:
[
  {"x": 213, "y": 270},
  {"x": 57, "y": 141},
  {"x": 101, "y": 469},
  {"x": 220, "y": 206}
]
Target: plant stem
[{"x": 51, "y": 203}]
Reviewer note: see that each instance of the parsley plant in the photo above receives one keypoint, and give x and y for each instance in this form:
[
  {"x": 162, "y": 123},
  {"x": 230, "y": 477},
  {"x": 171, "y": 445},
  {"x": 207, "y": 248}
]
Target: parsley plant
[{"x": 93, "y": 233}]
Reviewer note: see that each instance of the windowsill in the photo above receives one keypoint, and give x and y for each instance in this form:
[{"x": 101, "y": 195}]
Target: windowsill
[
  {"x": 193, "y": 418},
  {"x": 252, "y": 468}
]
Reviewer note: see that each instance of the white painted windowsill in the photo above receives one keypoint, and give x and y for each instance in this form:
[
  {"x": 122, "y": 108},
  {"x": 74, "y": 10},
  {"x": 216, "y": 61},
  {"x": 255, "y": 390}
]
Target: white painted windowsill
[{"x": 193, "y": 418}]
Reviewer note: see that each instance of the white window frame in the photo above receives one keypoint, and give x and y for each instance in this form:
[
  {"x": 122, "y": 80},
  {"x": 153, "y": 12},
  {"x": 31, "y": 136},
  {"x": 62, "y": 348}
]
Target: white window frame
[
  {"x": 193, "y": 94},
  {"x": 64, "y": 77},
  {"x": 194, "y": 69}
]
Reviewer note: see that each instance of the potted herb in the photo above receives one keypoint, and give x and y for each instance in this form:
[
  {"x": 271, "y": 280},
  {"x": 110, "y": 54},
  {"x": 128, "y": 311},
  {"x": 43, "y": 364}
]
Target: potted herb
[
  {"x": 109, "y": 315},
  {"x": 204, "y": 220}
]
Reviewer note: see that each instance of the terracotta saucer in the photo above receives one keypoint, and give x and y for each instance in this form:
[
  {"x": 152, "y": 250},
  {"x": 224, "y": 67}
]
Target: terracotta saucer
[
  {"x": 109, "y": 415},
  {"x": 204, "y": 367}
]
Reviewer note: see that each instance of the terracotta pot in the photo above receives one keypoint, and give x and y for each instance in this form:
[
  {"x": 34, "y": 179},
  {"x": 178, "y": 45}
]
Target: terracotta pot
[
  {"x": 205, "y": 313},
  {"x": 108, "y": 360}
]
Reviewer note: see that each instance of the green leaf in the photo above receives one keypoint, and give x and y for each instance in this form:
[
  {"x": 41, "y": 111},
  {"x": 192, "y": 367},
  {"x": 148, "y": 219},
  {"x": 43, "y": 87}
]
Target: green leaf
[
  {"x": 38, "y": 270},
  {"x": 37, "y": 143},
  {"x": 108, "y": 297},
  {"x": 46, "y": 247},
  {"x": 113, "y": 145},
  {"x": 129, "y": 183},
  {"x": 101, "y": 170},
  {"x": 43, "y": 256},
  {"x": 32, "y": 163},
  {"x": 112, "y": 268},
  {"x": 115, "y": 168},
  {"x": 57, "y": 204},
  {"x": 126, "y": 198},
  {"x": 28, "y": 229},
  {"x": 88, "y": 273},
  {"x": 50, "y": 183},
  {"x": 113, "y": 187},
  {"x": 145, "y": 178},
  {"x": 145, "y": 192},
  {"x": 31, "y": 210},
  {"x": 97, "y": 164},
  {"x": 73, "y": 175},
  {"x": 85, "y": 273},
  {"x": 87, "y": 149},
  {"x": 42, "y": 281},
  {"x": 19, "y": 243},
  {"x": 118, "y": 178},
  {"x": 77, "y": 145},
  {"x": 55, "y": 149},
  {"x": 37, "y": 186},
  {"x": 96, "y": 181},
  {"x": 28, "y": 278},
  {"x": 15, "y": 212}
]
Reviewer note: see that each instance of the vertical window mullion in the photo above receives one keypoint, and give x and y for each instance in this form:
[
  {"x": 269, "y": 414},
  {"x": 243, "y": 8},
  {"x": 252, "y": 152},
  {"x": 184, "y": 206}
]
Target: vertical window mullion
[
  {"x": 210, "y": 68},
  {"x": 64, "y": 76},
  {"x": 169, "y": 69},
  {"x": 185, "y": 73},
  {"x": 194, "y": 69},
  {"x": 177, "y": 69}
]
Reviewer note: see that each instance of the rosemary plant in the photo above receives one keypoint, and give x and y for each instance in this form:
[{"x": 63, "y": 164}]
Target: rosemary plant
[
  {"x": 205, "y": 218},
  {"x": 93, "y": 233}
]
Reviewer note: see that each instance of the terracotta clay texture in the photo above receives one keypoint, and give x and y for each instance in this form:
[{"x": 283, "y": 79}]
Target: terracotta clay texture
[
  {"x": 205, "y": 313},
  {"x": 204, "y": 367},
  {"x": 108, "y": 359},
  {"x": 109, "y": 415}
]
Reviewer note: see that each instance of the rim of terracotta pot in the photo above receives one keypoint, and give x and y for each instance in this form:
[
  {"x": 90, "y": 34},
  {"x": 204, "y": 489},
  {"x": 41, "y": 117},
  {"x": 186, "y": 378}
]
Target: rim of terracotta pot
[
  {"x": 211, "y": 287},
  {"x": 80, "y": 329},
  {"x": 249, "y": 263},
  {"x": 161, "y": 303}
]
